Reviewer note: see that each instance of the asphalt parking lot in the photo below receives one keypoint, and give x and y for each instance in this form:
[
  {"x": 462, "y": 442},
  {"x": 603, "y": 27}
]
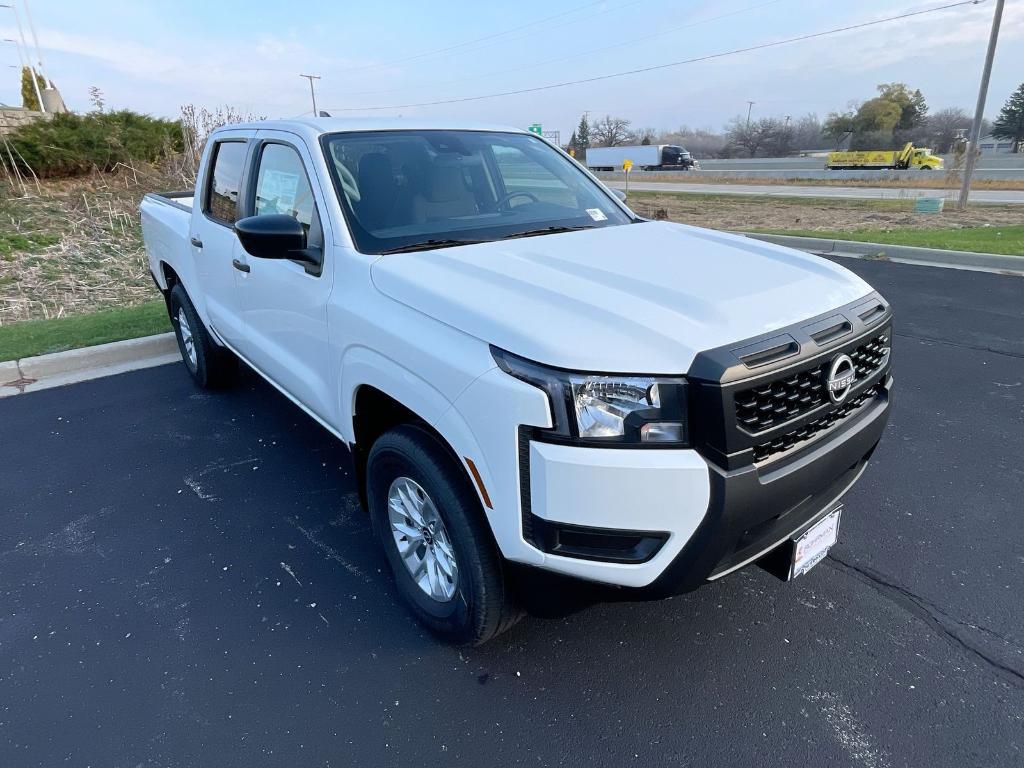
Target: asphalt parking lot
[{"x": 186, "y": 580}]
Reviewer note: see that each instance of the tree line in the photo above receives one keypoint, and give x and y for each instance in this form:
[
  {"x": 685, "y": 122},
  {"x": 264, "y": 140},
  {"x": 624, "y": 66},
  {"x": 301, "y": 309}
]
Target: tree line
[{"x": 888, "y": 120}]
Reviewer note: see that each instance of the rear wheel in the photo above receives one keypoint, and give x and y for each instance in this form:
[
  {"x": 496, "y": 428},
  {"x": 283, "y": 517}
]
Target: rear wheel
[
  {"x": 208, "y": 364},
  {"x": 435, "y": 536}
]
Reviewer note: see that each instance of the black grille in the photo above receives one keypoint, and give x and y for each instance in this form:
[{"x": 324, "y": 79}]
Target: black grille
[
  {"x": 867, "y": 358},
  {"x": 771, "y": 403},
  {"x": 814, "y": 428}
]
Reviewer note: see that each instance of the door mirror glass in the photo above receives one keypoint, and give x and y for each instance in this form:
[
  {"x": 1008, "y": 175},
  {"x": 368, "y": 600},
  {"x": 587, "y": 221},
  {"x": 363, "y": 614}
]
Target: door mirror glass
[{"x": 273, "y": 236}]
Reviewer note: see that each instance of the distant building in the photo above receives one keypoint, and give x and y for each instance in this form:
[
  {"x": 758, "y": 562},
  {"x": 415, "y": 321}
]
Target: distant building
[{"x": 990, "y": 145}]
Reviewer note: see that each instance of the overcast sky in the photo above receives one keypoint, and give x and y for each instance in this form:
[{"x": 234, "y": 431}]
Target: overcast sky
[{"x": 156, "y": 56}]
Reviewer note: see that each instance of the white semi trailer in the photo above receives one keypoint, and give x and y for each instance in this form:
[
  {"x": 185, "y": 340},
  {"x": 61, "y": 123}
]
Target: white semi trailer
[{"x": 647, "y": 157}]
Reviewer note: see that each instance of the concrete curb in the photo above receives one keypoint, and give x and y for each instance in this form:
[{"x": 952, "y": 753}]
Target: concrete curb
[
  {"x": 906, "y": 254},
  {"x": 30, "y": 374}
]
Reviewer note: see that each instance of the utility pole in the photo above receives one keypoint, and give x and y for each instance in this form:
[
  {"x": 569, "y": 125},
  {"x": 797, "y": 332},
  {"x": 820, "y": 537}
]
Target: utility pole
[
  {"x": 26, "y": 56},
  {"x": 750, "y": 106},
  {"x": 312, "y": 92},
  {"x": 972, "y": 142}
]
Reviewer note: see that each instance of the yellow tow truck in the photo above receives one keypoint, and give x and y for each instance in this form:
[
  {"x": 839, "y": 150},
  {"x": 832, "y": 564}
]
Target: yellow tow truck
[{"x": 910, "y": 157}]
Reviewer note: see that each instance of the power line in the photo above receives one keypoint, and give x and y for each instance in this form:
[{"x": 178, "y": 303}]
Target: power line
[
  {"x": 467, "y": 43},
  {"x": 697, "y": 59},
  {"x": 581, "y": 54}
]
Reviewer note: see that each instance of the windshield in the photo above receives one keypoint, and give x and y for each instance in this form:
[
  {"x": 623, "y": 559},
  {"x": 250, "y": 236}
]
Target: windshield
[{"x": 406, "y": 189}]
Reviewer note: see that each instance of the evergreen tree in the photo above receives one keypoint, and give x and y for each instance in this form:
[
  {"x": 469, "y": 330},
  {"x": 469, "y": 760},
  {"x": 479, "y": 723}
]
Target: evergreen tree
[
  {"x": 1010, "y": 123},
  {"x": 583, "y": 133},
  {"x": 29, "y": 100}
]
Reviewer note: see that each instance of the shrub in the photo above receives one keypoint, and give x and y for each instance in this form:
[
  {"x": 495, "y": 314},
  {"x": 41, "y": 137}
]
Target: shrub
[{"x": 70, "y": 145}]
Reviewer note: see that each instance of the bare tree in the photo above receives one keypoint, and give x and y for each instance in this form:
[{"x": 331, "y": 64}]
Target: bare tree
[
  {"x": 96, "y": 98},
  {"x": 610, "y": 132},
  {"x": 644, "y": 136},
  {"x": 808, "y": 133},
  {"x": 701, "y": 142},
  {"x": 945, "y": 126},
  {"x": 767, "y": 136}
]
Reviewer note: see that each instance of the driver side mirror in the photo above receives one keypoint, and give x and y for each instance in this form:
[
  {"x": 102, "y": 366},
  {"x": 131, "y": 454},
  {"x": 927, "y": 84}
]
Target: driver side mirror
[
  {"x": 273, "y": 236},
  {"x": 619, "y": 194}
]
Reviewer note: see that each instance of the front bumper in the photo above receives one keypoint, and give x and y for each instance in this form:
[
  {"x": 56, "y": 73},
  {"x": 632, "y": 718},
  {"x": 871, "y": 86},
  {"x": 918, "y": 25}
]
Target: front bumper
[
  {"x": 772, "y": 455},
  {"x": 700, "y": 521},
  {"x": 754, "y": 510}
]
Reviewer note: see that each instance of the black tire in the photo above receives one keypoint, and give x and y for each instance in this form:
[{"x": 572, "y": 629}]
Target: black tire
[
  {"x": 482, "y": 605},
  {"x": 211, "y": 366}
]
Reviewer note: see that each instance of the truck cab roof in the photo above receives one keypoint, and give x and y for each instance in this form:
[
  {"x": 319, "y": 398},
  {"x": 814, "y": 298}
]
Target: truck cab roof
[{"x": 314, "y": 127}]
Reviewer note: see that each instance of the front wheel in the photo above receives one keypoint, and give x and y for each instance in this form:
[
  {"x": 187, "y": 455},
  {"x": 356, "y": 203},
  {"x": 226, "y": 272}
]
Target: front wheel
[{"x": 438, "y": 544}]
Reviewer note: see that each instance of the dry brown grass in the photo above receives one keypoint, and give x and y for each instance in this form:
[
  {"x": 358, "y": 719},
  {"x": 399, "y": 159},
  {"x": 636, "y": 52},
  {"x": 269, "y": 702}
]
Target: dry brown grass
[
  {"x": 85, "y": 250},
  {"x": 749, "y": 212}
]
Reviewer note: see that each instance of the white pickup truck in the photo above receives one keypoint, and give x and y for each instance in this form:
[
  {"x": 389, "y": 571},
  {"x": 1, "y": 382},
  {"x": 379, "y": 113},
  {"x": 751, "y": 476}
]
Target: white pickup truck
[{"x": 529, "y": 376}]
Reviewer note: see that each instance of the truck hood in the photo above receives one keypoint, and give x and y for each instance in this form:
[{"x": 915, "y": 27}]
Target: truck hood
[{"x": 642, "y": 298}]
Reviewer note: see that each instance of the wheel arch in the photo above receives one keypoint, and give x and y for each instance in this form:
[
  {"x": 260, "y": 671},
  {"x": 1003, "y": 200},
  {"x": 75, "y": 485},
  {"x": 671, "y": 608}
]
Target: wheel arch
[{"x": 377, "y": 409}]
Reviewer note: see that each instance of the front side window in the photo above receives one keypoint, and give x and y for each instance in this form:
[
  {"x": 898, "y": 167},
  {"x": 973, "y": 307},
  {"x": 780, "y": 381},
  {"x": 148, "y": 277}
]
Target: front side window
[
  {"x": 282, "y": 185},
  {"x": 405, "y": 190},
  {"x": 225, "y": 180}
]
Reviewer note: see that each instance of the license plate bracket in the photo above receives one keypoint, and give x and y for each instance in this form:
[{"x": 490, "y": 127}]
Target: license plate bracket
[{"x": 797, "y": 555}]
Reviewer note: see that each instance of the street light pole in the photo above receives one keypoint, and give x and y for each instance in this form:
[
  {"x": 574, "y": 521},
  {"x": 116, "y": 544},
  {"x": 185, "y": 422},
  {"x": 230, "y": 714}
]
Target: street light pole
[
  {"x": 312, "y": 92},
  {"x": 750, "y": 106},
  {"x": 972, "y": 142},
  {"x": 21, "y": 56},
  {"x": 26, "y": 56},
  {"x": 35, "y": 40}
]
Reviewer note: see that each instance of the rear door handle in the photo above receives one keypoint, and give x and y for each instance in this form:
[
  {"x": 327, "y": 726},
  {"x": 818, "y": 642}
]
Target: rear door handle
[
  {"x": 241, "y": 266},
  {"x": 196, "y": 241}
]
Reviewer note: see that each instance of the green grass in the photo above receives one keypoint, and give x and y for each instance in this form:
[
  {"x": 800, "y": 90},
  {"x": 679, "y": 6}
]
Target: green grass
[
  {"x": 25, "y": 243},
  {"x": 40, "y": 337},
  {"x": 1008, "y": 239}
]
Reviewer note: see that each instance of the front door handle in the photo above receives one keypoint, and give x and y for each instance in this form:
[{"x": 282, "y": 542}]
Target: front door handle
[
  {"x": 196, "y": 241},
  {"x": 241, "y": 266}
]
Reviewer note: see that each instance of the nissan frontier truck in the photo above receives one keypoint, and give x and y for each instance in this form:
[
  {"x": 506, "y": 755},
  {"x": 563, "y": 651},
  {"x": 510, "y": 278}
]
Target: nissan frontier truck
[{"x": 530, "y": 377}]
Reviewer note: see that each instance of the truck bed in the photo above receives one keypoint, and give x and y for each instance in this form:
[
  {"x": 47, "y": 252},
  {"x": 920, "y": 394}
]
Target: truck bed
[{"x": 166, "y": 220}]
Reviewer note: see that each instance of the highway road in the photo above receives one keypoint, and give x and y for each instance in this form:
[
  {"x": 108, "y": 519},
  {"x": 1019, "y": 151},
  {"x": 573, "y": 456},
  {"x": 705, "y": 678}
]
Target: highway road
[
  {"x": 788, "y": 190},
  {"x": 187, "y": 580}
]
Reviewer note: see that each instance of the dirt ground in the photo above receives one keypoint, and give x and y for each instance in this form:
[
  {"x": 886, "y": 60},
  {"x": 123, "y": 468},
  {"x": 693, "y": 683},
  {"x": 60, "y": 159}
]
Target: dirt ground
[{"x": 749, "y": 213}]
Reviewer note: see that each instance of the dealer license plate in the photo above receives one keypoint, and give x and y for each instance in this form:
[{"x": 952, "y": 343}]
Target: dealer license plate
[{"x": 812, "y": 545}]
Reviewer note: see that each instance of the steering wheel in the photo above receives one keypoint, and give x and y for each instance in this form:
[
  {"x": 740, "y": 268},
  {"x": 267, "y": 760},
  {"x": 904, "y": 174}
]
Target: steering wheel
[
  {"x": 348, "y": 182},
  {"x": 519, "y": 193}
]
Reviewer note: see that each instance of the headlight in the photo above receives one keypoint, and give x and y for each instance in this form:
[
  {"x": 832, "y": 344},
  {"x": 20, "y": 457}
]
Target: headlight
[{"x": 607, "y": 409}]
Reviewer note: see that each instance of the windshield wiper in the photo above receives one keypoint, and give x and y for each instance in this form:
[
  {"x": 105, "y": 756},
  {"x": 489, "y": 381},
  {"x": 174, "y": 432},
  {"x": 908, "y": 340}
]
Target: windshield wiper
[
  {"x": 545, "y": 231},
  {"x": 428, "y": 245}
]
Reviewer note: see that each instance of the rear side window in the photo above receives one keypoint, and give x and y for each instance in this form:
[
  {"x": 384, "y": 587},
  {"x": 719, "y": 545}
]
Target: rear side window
[{"x": 224, "y": 181}]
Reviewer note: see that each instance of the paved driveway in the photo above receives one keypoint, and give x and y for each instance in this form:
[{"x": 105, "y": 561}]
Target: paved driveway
[{"x": 186, "y": 579}]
